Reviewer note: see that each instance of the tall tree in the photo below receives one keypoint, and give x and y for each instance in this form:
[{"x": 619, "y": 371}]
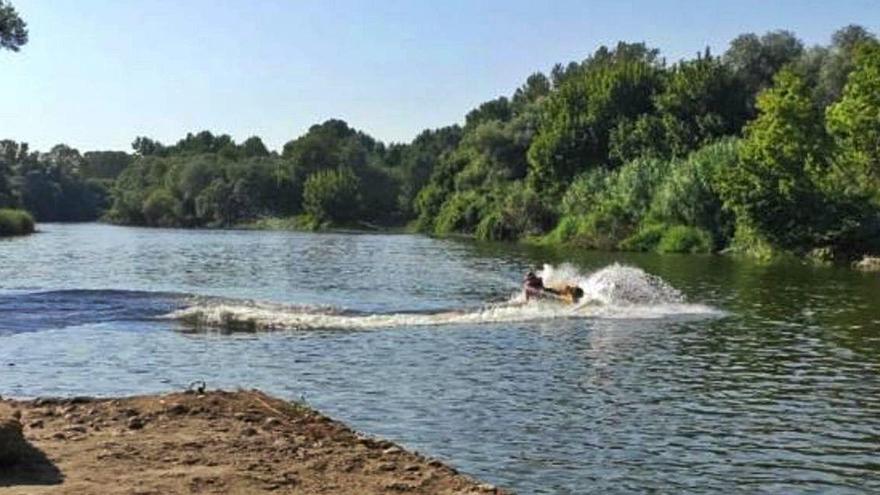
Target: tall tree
[
  {"x": 855, "y": 122},
  {"x": 13, "y": 30},
  {"x": 772, "y": 189}
]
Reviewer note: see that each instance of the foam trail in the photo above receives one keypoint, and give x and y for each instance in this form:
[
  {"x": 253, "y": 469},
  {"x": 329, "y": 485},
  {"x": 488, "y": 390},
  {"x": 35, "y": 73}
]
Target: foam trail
[{"x": 614, "y": 292}]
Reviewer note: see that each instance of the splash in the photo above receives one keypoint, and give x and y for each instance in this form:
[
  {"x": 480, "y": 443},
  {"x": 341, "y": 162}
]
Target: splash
[{"x": 615, "y": 291}]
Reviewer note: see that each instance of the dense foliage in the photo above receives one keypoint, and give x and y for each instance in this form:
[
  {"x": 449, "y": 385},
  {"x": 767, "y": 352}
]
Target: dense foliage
[
  {"x": 770, "y": 147},
  {"x": 15, "y": 222},
  {"x": 13, "y": 30}
]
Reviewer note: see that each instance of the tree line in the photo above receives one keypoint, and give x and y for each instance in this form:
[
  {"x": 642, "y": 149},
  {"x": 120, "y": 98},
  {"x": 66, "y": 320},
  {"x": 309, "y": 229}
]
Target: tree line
[{"x": 770, "y": 147}]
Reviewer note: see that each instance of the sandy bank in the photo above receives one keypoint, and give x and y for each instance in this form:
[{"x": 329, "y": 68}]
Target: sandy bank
[{"x": 242, "y": 442}]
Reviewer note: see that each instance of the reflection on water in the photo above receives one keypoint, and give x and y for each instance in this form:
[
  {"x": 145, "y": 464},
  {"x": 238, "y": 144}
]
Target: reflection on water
[{"x": 781, "y": 395}]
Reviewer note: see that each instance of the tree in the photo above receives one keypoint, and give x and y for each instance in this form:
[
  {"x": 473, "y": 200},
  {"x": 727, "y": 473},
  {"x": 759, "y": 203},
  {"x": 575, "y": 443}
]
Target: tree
[
  {"x": 755, "y": 60},
  {"x": 772, "y": 188},
  {"x": 13, "y": 30},
  {"x": 332, "y": 195},
  {"x": 253, "y": 146},
  {"x": 575, "y": 131},
  {"x": 854, "y": 122},
  {"x": 145, "y": 146}
]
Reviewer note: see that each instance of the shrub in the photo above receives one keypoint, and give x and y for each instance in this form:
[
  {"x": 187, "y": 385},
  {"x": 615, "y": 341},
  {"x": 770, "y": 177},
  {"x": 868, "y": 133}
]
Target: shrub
[
  {"x": 522, "y": 212},
  {"x": 645, "y": 239},
  {"x": 15, "y": 222},
  {"x": 689, "y": 195},
  {"x": 684, "y": 239},
  {"x": 159, "y": 209},
  {"x": 584, "y": 192},
  {"x": 332, "y": 195},
  {"x": 461, "y": 212}
]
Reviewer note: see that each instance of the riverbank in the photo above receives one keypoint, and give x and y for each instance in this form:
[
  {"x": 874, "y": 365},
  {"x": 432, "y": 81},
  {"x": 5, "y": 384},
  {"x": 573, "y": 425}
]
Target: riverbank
[
  {"x": 15, "y": 222},
  {"x": 305, "y": 223},
  {"x": 243, "y": 442}
]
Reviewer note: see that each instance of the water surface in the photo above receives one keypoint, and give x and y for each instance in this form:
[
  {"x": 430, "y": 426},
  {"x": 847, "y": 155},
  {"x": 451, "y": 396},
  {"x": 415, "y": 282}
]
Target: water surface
[{"x": 764, "y": 378}]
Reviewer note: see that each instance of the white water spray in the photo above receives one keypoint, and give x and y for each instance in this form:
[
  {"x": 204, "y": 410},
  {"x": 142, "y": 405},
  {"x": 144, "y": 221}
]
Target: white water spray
[{"x": 615, "y": 291}]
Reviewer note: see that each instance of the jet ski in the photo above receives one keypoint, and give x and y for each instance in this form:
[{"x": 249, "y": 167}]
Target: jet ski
[{"x": 534, "y": 288}]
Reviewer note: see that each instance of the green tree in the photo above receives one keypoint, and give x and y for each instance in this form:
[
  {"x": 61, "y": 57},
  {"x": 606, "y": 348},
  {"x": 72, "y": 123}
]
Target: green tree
[
  {"x": 332, "y": 196},
  {"x": 253, "y": 146},
  {"x": 755, "y": 60},
  {"x": 772, "y": 188},
  {"x": 13, "y": 30},
  {"x": 579, "y": 118},
  {"x": 854, "y": 122}
]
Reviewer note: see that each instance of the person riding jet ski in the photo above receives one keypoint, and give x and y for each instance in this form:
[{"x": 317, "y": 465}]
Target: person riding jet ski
[{"x": 533, "y": 287}]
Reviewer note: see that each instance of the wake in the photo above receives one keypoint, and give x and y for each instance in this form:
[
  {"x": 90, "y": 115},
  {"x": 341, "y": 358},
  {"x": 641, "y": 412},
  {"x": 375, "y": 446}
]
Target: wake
[{"x": 616, "y": 292}]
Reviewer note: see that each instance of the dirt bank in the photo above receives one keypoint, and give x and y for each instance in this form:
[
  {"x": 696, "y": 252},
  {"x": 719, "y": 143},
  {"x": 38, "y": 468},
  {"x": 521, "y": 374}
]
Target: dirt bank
[{"x": 242, "y": 442}]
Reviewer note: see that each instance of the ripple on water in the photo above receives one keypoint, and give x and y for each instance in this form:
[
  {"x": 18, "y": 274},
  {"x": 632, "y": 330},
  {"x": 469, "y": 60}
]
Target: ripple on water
[{"x": 779, "y": 395}]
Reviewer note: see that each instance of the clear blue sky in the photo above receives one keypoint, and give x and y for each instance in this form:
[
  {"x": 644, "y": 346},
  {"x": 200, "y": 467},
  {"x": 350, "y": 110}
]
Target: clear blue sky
[{"x": 97, "y": 73}]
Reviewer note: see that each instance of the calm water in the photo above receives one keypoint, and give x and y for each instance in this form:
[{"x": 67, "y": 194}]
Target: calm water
[{"x": 765, "y": 379}]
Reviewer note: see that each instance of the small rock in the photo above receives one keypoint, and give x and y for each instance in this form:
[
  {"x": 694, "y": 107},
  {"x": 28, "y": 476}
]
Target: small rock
[
  {"x": 271, "y": 422},
  {"x": 399, "y": 486},
  {"x": 36, "y": 424},
  {"x": 16, "y": 414},
  {"x": 135, "y": 423},
  {"x": 392, "y": 451},
  {"x": 248, "y": 432},
  {"x": 388, "y": 466},
  {"x": 59, "y": 436},
  {"x": 177, "y": 408},
  {"x": 128, "y": 412},
  {"x": 76, "y": 429},
  {"x": 412, "y": 468},
  {"x": 486, "y": 487}
]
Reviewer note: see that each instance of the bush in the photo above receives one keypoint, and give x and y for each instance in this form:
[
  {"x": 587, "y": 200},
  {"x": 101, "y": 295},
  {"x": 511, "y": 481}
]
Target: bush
[
  {"x": 689, "y": 195},
  {"x": 462, "y": 212},
  {"x": 159, "y": 209},
  {"x": 684, "y": 239},
  {"x": 522, "y": 212},
  {"x": 15, "y": 222},
  {"x": 332, "y": 196},
  {"x": 645, "y": 239},
  {"x": 584, "y": 192}
]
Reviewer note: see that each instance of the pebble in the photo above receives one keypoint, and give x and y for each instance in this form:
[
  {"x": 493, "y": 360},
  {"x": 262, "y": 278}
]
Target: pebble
[
  {"x": 388, "y": 466},
  {"x": 271, "y": 422},
  {"x": 392, "y": 451},
  {"x": 76, "y": 429},
  {"x": 135, "y": 423},
  {"x": 36, "y": 424},
  {"x": 177, "y": 409},
  {"x": 248, "y": 432}
]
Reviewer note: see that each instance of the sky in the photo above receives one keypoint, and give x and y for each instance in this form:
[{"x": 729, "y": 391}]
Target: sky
[{"x": 97, "y": 73}]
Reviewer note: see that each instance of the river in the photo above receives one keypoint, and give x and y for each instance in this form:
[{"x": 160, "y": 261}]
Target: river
[{"x": 697, "y": 374}]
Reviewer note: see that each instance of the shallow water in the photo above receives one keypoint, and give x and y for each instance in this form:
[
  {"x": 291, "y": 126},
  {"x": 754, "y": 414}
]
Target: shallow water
[{"x": 756, "y": 379}]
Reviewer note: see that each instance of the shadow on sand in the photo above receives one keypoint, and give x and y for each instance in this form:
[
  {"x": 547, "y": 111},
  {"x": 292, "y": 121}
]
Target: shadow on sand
[{"x": 31, "y": 468}]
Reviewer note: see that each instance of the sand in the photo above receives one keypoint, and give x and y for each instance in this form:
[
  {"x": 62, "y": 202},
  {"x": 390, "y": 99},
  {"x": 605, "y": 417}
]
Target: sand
[{"x": 243, "y": 442}]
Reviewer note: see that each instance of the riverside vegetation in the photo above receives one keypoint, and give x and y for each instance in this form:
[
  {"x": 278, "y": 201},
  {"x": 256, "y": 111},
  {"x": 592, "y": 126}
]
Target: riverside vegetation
[{"x": 770, "y": 148}]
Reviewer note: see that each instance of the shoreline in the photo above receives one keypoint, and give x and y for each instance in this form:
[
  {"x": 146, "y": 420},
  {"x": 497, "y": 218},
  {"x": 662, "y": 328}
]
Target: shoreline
[
  {"x": 240, "y": 442},
  {"x": 866, "y": 263}
]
